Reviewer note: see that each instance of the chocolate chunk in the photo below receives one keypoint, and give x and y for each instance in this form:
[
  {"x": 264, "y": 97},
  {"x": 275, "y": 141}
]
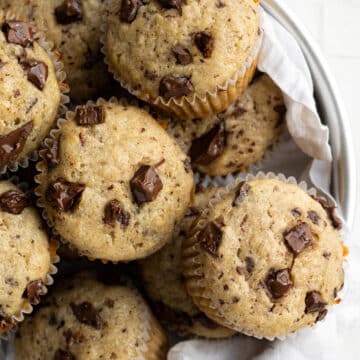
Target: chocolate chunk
[
  {"x": 13, "y": 143},
  {"x": 314, "y": 217},
  {"x": 330, "y": 208},
  {"x": 314, "y": 302},
  {"x": 182, "y": 55},
  {"x": 36, "y": 72},
  {"x": 220, "y": 4},
  {"x": 175, "y": 86},
  {"x": 70, "y": 11},
  {"x": 33, "y": 291},
  {"x": 87, "y": 314},
  {"x": 114, "y": 212},
  {"x": 14, "y": 202},
  {"x": 250, "y": 264},
  {"x": 172, "y": 4},
  {"x": 321, "y": 315},
  {"x": 279, "y": 282},
  {"x": 296, "y": 212},
  {"x": 61, "y": 354},
  {"x": 145, "y": 184},
  {"x": 64, "y": 195},
  {"x": 241, "y": 193},
  {"x": 52, "y": 153},
  {"x": 129, "y": 9},
  {"x": 89, "y": 115},
  {"x": 204, "y": 41},
  {"x": 208, "y": 147},
  {"x": 19, "y": 33},
  {"x": 210, "y": 238},
  {"x": 298, "y": 238}
]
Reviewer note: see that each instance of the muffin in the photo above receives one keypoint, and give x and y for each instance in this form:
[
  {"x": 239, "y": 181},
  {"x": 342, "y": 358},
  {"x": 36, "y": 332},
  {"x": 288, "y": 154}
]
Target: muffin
[
  {"x": 86, "y": 319},
  {"x": 25, "y": 256},
  {"x": 30, "y": 93},
  {"x": 231, "y": 141},
  {"x": 193, "y": 58},
  {"x": 114, "y": 184},
  {"x": 265, "y": 259},
  {"x": 162, "y": 278},
  {"x": 74, "y": 28}
]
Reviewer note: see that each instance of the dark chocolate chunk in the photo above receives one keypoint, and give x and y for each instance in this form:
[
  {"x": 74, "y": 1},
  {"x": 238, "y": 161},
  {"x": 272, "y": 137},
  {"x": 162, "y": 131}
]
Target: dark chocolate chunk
[
  {"x": 314, "y": 217},
  {"x": 129, "y": 9},
  {"x": 250, "y": 264},
  {"x": 220, "y": 4},
  {"x": 172, "y": 4},
  {"x": 114, "y": 212},
  {"x": 64, "y": 195},
  {"x": 298, "y": 238},
  {"x": 330, "y": 208},
  {"x": 145, "y": 184},
  {"x": 34, "y": 290},
  {"x": 19, "y": 33},
  {"x": 314, "y": 302},
  {"x": 70, "y": 11},
  {"x": 36, "y": 72},
  {"x": 241, "y": 193},
  {"x": 87, "y": 314},
  {"x": 321, "y": 315},
  {"x": 208, "y": 147},
  {"x": 52, "y": 153},
  {"x": 204, "y": 41},
  {"x": 13, "y": 143},
  {"x": 89, "y": 115},
  {"x": 296, "y": 212},
  {"x": 182, "y": 55},
  {"x": 210, "y": 238},
  {"x": 279, "y": 282},
  {"x": 61, "y": 354},
  {"x": 14, "y": 202},
  {"x": 175, "y": 86}
]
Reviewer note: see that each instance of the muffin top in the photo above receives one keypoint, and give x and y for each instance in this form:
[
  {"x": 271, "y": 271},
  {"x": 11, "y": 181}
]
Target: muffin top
[
  {"x": 85, "y": 319},
  {"x": 25, "y": 255},
  {"x": 74, "y": 28},
  {"x": 237, "y": 138},
  {"x": 161, "y": 273},
  {"x": 29, "y": 91},
  {"x": 266, "y": 260},
  {"x": 177, "y": 48},
  {"x": 114, "y": 184}
]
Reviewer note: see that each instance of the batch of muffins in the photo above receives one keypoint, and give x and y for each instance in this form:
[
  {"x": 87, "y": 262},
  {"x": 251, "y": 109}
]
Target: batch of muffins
[{"x": 109, "y": 111}]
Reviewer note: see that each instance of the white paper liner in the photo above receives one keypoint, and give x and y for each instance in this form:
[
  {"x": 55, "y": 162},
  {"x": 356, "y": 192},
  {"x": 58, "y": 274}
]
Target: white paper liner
[
  {"x": 185, "y": 106},
  {"x": 55, "y": 56},
  {"x": 228, "y": 183}
]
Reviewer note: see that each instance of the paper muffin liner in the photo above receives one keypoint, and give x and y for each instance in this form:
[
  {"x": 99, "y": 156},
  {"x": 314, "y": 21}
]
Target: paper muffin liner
[
  {"x": 193, "y": 265},
  {"x": 55, "y": 56},
  {"x": 195, "y": 106}
]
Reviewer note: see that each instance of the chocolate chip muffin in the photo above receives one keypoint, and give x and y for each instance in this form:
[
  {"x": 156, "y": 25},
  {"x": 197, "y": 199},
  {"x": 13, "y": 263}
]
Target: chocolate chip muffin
[
  {"x": 30, "y": 94},
  {"x": 74, "y": 28},
  {"x": 85, "y": 319},
  {"x": 237, "y": 138},
  {"x": 25, "y": 256},
  {"x": 265, "y": 259},
  {"x": 191, "y": 57},
  {"x": 113, "y": 183},
  {"x": 161, "y": 274}
]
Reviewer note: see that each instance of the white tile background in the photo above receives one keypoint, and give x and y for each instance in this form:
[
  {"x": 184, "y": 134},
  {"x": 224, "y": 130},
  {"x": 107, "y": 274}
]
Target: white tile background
[{"x": 335, "y": 24}]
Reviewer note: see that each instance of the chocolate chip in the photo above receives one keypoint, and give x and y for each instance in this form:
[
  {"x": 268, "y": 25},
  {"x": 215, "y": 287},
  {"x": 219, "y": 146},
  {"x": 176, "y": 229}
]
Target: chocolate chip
[
  {"x": 326, "y": 255},
  {"x": 14, "y": 202},
  {"x": 314, "y": 302},
  {"x": 296, "y": 212},
  {"x": 220, "y": 4},
  {"x": 19, "y": 33},
  {"x": 151, "y": 75},
  {"x": 89, "y": 115},
  {"x": 250, "y": 264},
  {"x": 314, "y": 217},
  {"x": 210, "y": 238},
  {"x": 34, "y": 290},
  {"x": 298, "y": 238},
  {"x": 64, "y": 195},
  {"x": 61, "y": 354},
  {"x": 87, "y": 314},
  {"x": 204, "y": 41},
  {"x": 330, "y": 208},
  {"x": 129, "y": 9},
  {"x": 182, "y": 55},
  {"x": 208, "y": 147},
  {"x": 321, "y": 315},
  {"x": 52, "y": 153},
  {"x": 145, "y": 184},
  {"x": 241, "y": 193},
  {"x": 36, "y": 72},
  {"x": 70, "y": 11},
  {"x": 13, "y": 143},
  {"x": 172, "y": 4},
  {"x": 279, "y": 282},
  {"x": 114, "y": 212},
  {"x": 175, "y": 86}
]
